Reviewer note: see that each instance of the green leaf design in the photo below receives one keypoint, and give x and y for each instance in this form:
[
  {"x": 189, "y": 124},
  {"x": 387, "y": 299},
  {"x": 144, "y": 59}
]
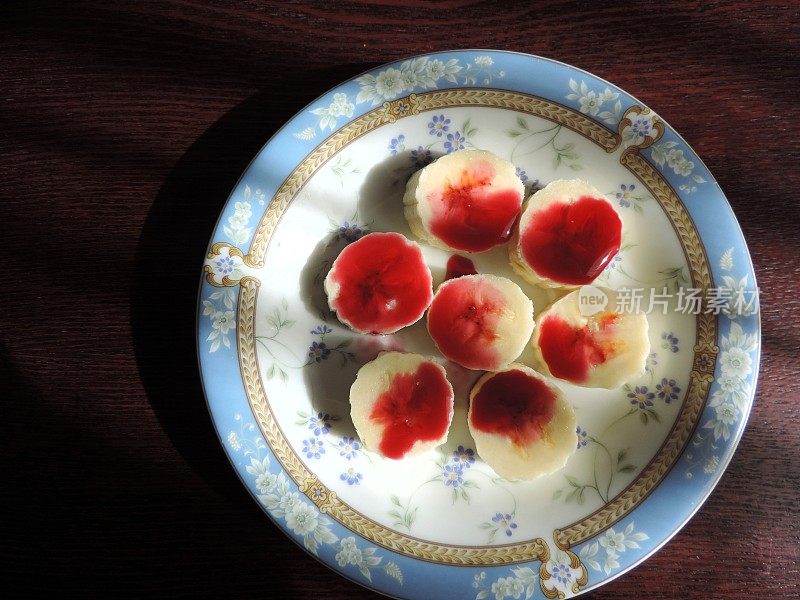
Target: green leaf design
[
  {"x": 522, "y": 123},
  {"x": 627, "y": 469}
]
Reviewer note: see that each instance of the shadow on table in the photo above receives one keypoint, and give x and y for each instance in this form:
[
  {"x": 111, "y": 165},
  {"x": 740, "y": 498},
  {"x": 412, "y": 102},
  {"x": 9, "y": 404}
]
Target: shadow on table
[{"x": 168, "y": 268}]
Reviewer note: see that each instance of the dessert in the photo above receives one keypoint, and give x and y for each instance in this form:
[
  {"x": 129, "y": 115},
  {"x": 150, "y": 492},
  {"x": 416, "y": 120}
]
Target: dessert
[
  {"x": 567, "y": 234},
  {"x": 522, "y": 425},
  {"x": 481, "y": 322},
  {"x": 401, "y": 404},
  {"x": 379, "y": 284},
  {"x": 604, "y": 349},
  {"x": 466, "y": 201}
]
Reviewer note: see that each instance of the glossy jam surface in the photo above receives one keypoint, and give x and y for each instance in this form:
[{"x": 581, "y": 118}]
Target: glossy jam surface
[
  {"x": 458, "y": 266},
  {"x": 572, "y": 243},
  {"x": 462, "y": 321},
  {"x": 515, "y": 405},
  {"x": 569, "y": 351},
  {"x": 471, "y": 215},
  {"x": 416, "y": 407},
  {"x": 385, "y": 283}
]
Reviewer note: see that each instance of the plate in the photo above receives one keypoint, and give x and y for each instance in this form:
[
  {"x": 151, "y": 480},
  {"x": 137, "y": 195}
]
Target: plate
[{"x": 277, "y": 365}]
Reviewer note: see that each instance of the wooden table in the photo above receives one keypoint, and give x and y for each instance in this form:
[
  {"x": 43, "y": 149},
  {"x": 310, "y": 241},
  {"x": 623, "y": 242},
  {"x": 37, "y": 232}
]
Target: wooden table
[{"x": 125, "y": 125}]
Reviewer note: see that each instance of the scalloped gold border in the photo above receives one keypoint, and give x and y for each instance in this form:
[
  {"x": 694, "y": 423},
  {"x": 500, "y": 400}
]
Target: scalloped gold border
[{"x": 327, "y": 501}]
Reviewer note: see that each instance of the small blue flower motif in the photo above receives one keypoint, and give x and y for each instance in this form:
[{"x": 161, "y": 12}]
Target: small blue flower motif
[
  {"x": 350, "y": 232},
  {"x": 641, "y": 127},
  {"x": 523, "y": 176},
  {"x": 642, "y": 397},
  {"x": 439, "y": 125},
  {"x": 351, "y": 476},
  {"x": 505, "y": 522},
  {"x": 668, "y": 390},
  {"x": 318, "y": 351},
  {"x": 320, "y": 424},
  {"x": 349, "y": 447},
  {"x": 455, "y": 141},
  {"x": 225, "y": 265},
  {"x": 583, "y": 437},
  {"x": 321, "y": 330},
  {"x": 624, "y": 195},
  {"x": 562, "y": 573},
  {"x": 669, "y": 341},
  {"x": 397, "y": 144},
  {"x": 464, "y": 457},
  {"x": 421, "y": 157},
  {"x": 313, "y": 448},
  {"x": 615, "y": 262},
  {"x": 652, "y": 362},
  {"x": 453, "y": 475}
]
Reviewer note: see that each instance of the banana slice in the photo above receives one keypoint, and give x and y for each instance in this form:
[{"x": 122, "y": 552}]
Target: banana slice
[
  {"x": 586, "y": 343},
  {"x": 567, "y": 234},
  {"x": 401, "y": 404},
  {"x": 466, "y": 201},
  {"x": 481, "y": 322},
  {"x": 522, "y": 426},
  {"x": 379, "y": 284}
]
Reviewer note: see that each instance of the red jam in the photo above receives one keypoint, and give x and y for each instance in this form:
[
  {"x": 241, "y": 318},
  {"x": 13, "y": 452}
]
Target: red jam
[
  {"x": 385, "y": 283},
  {"x": 462, "y": 321},
  {"x": 458, "y": 266},
  {"x": 470, "y": 214},
  {"x": 515, "y": 405},
  {"x": 570, "y": 352},
  {"x": 416, "y": 407},
  {"x": 572, "y": 243}
]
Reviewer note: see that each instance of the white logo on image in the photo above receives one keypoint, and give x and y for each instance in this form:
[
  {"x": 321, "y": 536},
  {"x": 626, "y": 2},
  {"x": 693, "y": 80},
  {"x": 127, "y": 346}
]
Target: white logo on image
[{"x": 591, "y": 300}]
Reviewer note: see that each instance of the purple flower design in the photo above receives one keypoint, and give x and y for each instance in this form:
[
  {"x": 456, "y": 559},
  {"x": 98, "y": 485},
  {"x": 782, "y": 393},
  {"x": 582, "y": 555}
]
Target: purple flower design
[
  {"x": 397, "y": 144},
  {"x": 615, "y": 262},
  {"x": 464, "y": 457},
  {"x": 668, "y": 390},
  {"x": 453, "y": 475},
  {"x": 351, "y": 476},
  {"x": 321, "y": 330},
  {"x": 642, "y": 397},
  {"x": 313, "y": 448},
  {"x": 421, "y": 157},
  {"x": 320, "y": 424},
  {"x": 350, "y": 232},
  {"x": 318, "y": 351},
  {"x": 225, "y": 265},
  {"x": 455, "y": 141},
  {"x": 624, "y": 195},
  {"x": 669, "y": 341},
  {"x": 583, "y": 437},
  {"x": 439, "y": 125},
  {"x": 641, "y": 127},
  {"x": 349, "y": 447},
  {"x": 652, "y": 362},
  {"x": 523, "y": 176},
  {"x": 505, "y": 522},
  {"x": 562, "y": 573}
]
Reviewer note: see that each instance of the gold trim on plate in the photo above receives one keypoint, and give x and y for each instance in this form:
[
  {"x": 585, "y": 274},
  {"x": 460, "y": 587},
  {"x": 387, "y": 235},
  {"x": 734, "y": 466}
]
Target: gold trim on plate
[{"x": 566, "y": 537}]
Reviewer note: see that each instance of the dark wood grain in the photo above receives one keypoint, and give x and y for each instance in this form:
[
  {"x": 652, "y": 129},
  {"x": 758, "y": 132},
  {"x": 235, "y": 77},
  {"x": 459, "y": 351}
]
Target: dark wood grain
[{"x": 124, "y": 126}]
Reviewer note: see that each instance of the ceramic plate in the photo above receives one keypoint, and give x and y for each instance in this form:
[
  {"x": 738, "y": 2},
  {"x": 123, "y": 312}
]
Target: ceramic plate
[{"x": 277, "y": 365}]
